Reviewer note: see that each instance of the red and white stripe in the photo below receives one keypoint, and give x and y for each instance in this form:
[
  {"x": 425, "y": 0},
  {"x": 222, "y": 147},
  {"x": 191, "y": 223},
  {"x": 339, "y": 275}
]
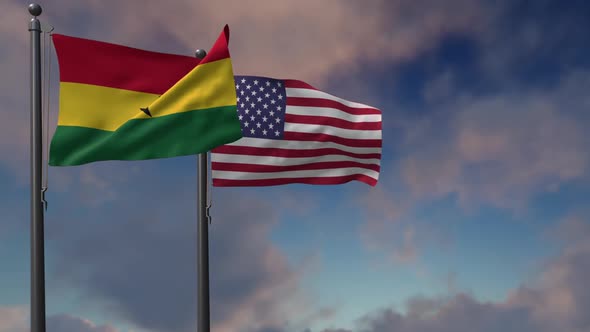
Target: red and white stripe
[{"x": 327, "y": 140}]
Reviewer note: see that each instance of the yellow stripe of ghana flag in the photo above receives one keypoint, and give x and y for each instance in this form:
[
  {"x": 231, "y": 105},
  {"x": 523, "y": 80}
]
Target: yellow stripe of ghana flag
[{"x": 122, "y": 103}]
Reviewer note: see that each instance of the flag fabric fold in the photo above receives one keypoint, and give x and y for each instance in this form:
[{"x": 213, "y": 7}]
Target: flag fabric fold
[
  {"x": 295, "y": 133},
  {"x": 123, "y": 103}
]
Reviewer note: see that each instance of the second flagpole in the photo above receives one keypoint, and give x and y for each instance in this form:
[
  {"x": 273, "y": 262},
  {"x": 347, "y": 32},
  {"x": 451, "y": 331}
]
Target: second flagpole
[{"x": 203, "y": 314}]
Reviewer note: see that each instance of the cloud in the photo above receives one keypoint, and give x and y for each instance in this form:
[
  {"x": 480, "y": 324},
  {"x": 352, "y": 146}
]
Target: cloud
[
  {"x": 13, "y": 319},
  {"x": 307, "y": 40},
  {"x": 533, "y": 42},
  {"x": 254, "y": 285},
  {"x": 390, "y": 229},
  {"x": 14, "y": 88},
  {"x": 498, "y": 139},
  {"x": 384, "y": 228},
  {"x": 560, "y": 297},
  {"x": 281, "y": 38},
  {"x": 136, "y": 258},
  {"x": 461, "y": 313},
  {"x": 96, "y": 184},
  {"x": 572, "y": 229},
  {"x": 557, "y": 299},
  {"x": 16, "y": 319},
  {"x": 500, "y": 149},
  {"x": 14, "y": 141},
  {"x": 68, "y": 323},
  {"x": 497, "y": 150}
]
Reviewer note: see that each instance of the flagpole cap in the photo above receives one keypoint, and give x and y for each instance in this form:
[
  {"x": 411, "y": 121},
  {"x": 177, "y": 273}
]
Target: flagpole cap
[
  {"x": 35, "y": 9},
  {"x": 200, "y": 53}
]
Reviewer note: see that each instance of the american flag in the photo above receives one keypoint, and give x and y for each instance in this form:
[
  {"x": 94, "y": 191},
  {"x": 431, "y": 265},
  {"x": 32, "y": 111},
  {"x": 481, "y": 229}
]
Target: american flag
[{"x": 294, "y": 133}]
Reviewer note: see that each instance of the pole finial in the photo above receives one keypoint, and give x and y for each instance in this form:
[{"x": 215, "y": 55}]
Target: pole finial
[
  {"x": 35, "y": 9},
  {"x": 200, "y": 53}
]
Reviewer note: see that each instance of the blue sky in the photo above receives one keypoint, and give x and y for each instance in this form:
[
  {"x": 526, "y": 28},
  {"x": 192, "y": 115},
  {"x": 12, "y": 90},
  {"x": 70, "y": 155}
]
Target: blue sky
[{"x": 479, "y": 220}]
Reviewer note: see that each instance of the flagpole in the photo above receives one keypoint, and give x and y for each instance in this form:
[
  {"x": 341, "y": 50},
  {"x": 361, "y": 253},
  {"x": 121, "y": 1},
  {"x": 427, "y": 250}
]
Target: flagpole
[
  {"x": 37, "y": 236},
  {"x": 203, "y": 317}
]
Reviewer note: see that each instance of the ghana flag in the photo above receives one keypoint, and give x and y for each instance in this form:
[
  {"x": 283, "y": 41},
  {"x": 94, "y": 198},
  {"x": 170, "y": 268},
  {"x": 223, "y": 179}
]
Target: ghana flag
[{"x": 122, "y": 103}]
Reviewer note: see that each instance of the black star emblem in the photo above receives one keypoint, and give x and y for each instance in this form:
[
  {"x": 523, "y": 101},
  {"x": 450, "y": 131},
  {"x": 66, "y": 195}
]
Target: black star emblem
[{"x": 146, "y": 110}]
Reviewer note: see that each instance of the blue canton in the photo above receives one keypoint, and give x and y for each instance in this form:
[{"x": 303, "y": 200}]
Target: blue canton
[{"x": 261, "y": 106}]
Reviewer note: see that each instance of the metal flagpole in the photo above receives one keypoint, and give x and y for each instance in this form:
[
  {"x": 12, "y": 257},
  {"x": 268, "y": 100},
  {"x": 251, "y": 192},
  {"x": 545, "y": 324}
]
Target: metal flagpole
[
  {"x": 37, "y": 237},
  {"x": 203, "y": 314}
]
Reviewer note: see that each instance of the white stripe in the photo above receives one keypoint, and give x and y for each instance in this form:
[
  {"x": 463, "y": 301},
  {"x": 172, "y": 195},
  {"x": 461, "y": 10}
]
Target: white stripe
[
  {"x": 308, "y": 93},
  {"x": 229, "y": 175},
  {"x": 333, "y": 113},
  {"x": 297, "y": 145},
  {"x": 282, "y": 161},
  {"x": 333, "y": 131}
]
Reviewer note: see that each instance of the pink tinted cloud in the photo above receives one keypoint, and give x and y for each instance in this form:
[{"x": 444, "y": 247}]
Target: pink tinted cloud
[
  {"x": 390, "y": 229},
  {"x": 255, "y": 285},
  {"x": 383, "y": 226},
  {"x": 303, "y": 39},
  {"x": 13, "y": 319},
  {"x": 560, "y": 295},
  {"x": 16, "y": 319},
  {"x": 274, "y": 304},
  {"x": 556, "y": 299},
  {"x": 308, "y": 40},
  {"x": 500, "y": 150},
  {"x": 14, "y": 88},
  {"x": 69, "y": 323}
]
